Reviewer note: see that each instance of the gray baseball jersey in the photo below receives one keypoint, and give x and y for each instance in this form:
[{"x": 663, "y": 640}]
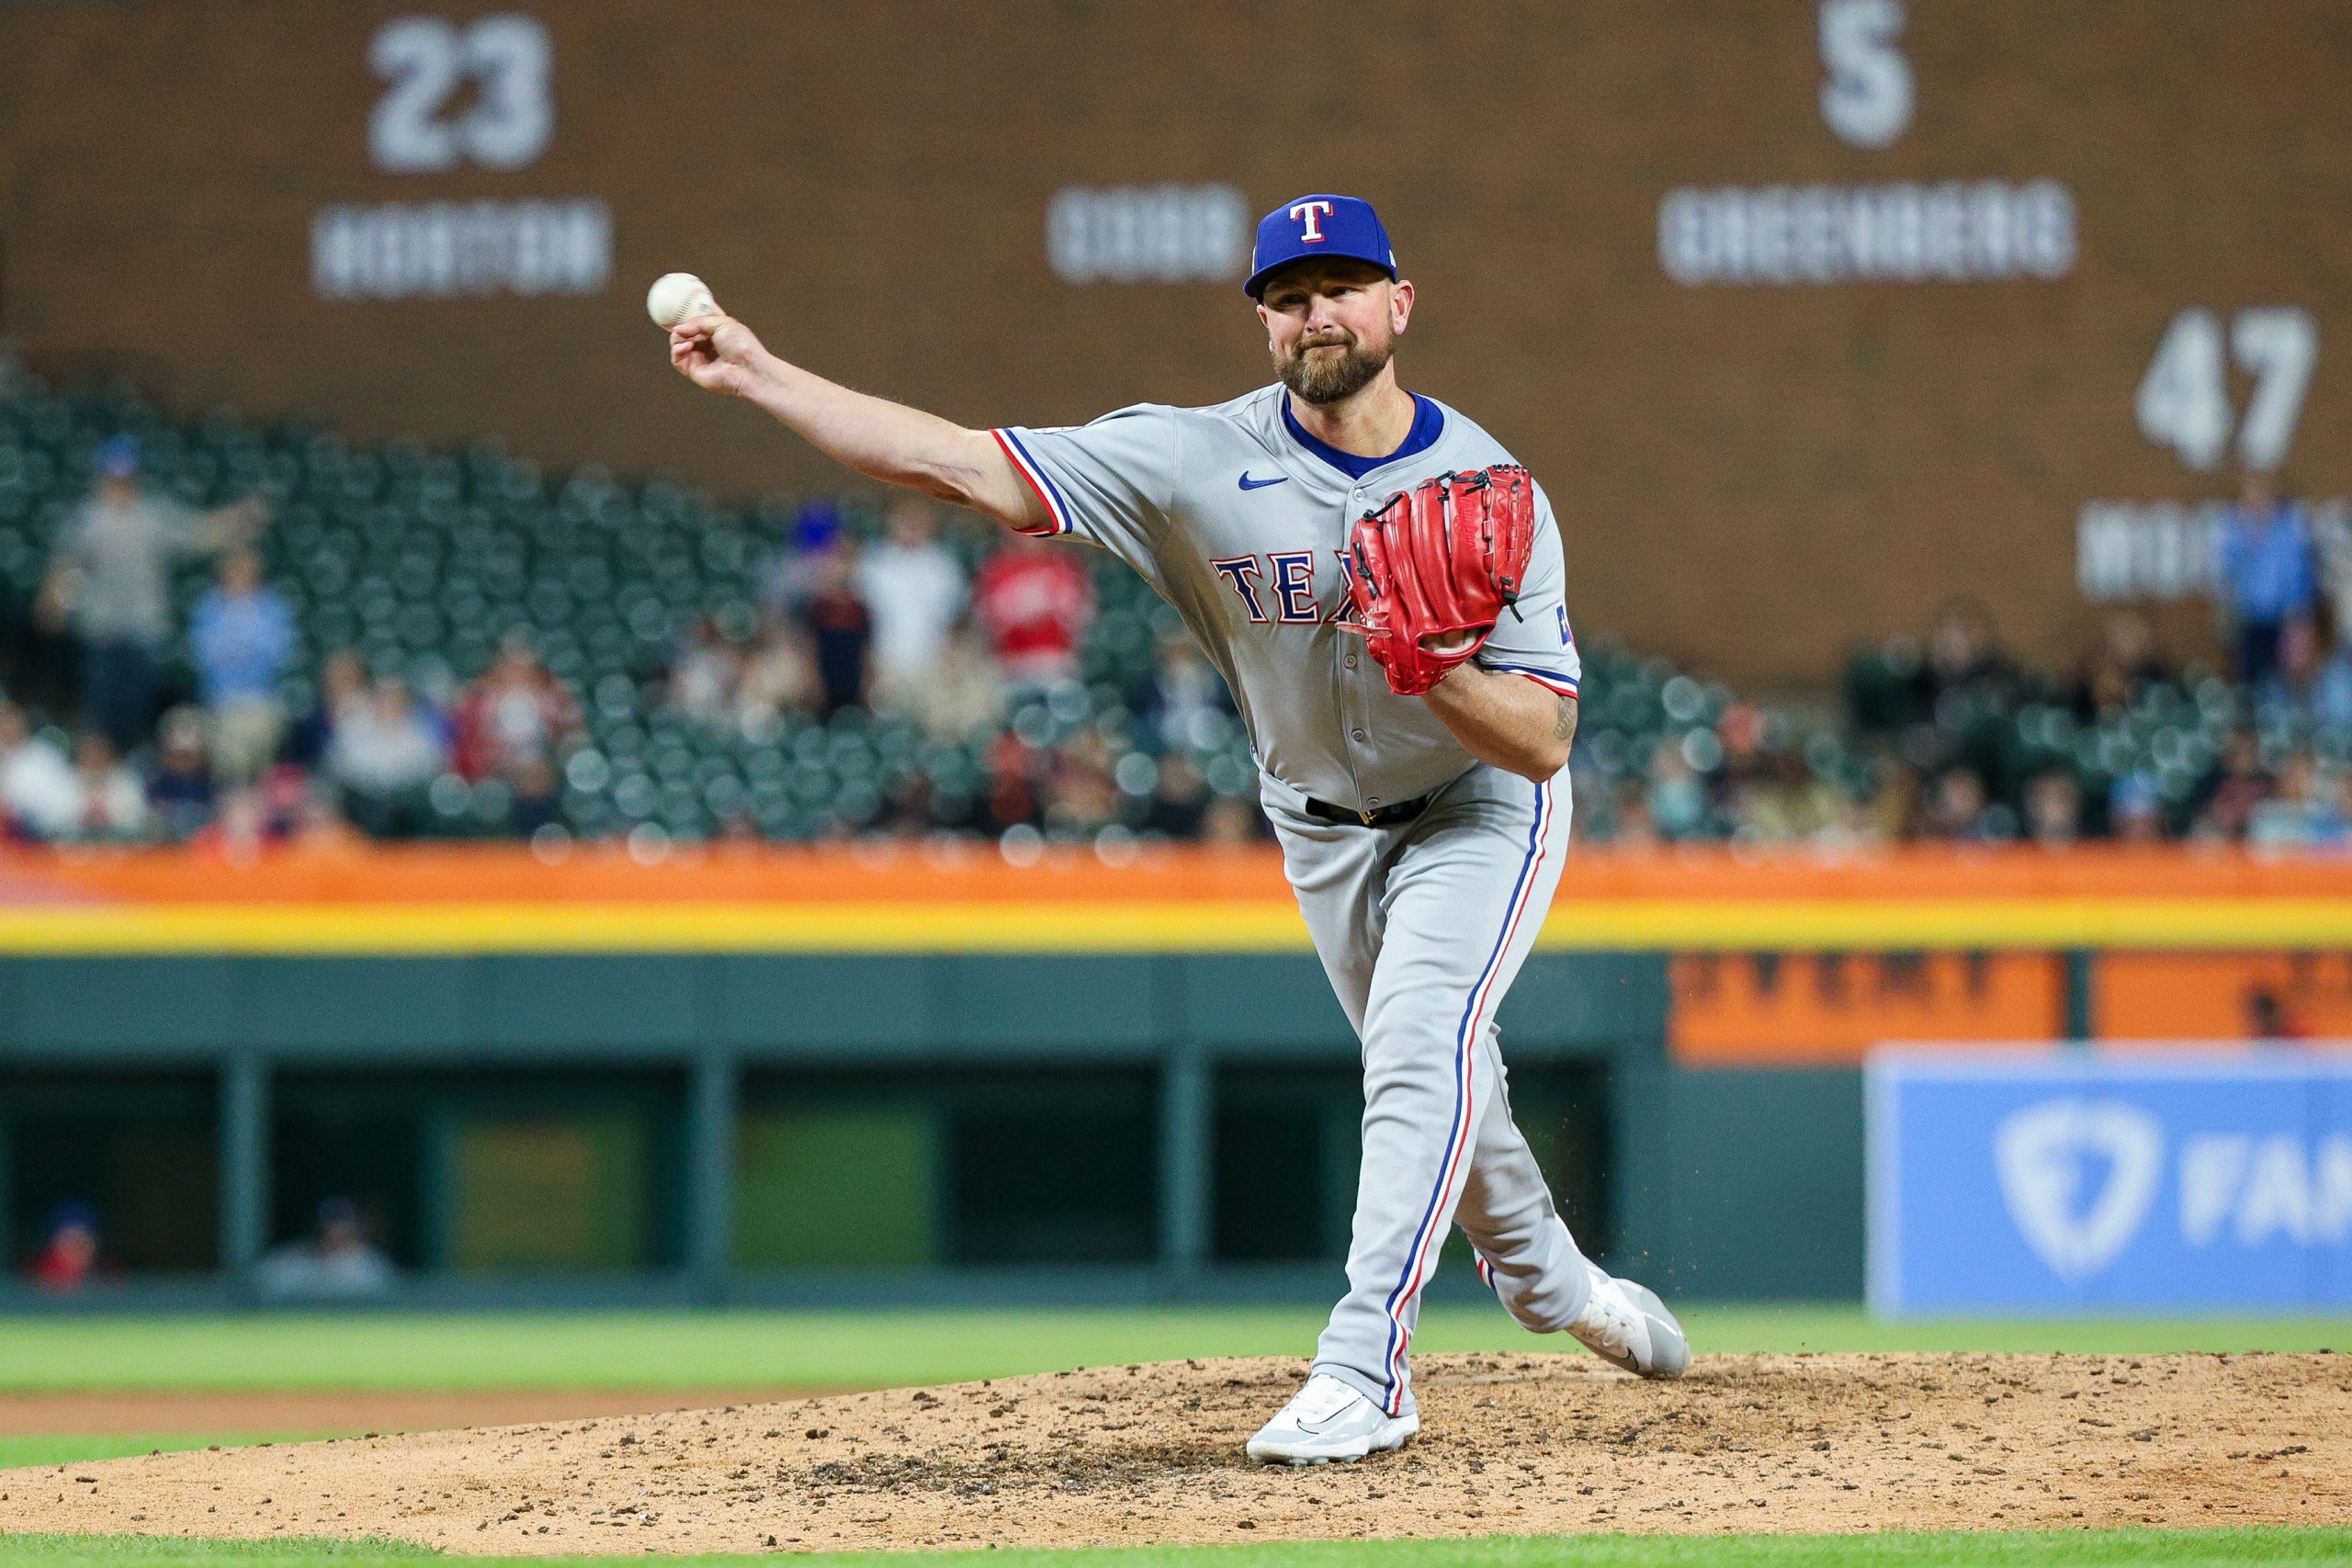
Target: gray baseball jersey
[{"x": 1239, "y": 516}]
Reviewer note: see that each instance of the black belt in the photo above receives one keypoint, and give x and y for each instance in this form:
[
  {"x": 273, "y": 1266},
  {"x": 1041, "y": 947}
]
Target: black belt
[{"x": 1380, "y": 817}]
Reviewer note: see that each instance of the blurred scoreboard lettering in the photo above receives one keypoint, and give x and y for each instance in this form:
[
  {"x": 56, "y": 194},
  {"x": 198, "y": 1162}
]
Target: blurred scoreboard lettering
[
  {"x": 439, "y": 249},
  {"x": 1913, "y": 297},
  {"x": 1167, "y": 233}
]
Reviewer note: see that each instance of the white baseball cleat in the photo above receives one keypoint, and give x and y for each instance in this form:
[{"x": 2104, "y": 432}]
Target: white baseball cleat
[
  {"x": 1328, "y": 1420},
  {"x": 1626, "y": 1325}
]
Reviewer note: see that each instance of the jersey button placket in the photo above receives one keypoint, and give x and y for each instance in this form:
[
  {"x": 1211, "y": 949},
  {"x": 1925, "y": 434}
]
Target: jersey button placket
[{"x": 1355, "y": 503}]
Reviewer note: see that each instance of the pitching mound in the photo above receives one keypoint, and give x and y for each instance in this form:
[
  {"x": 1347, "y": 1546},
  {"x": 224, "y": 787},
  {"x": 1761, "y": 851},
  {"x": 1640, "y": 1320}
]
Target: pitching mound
[{"x": 1126, "y": 1455}]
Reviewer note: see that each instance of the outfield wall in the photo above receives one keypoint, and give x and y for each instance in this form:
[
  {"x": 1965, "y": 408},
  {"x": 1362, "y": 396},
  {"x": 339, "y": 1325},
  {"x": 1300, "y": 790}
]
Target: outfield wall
[
  {"x": 1000, "y": 1112},
  {"x": 801, "y": 1074}
]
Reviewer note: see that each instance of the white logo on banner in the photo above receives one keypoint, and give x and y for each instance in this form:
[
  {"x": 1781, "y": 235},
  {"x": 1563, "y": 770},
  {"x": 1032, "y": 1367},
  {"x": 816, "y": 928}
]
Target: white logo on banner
[
  {"x": 2042, "y": 1154},
  {"x": 2265, "y": 1187}
]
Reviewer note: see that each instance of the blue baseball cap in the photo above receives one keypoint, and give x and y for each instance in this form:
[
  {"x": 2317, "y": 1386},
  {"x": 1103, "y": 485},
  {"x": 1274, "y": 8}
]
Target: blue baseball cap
[
  {"x": 1320, "y": 226},
  {"x": 116, "y": 457}
]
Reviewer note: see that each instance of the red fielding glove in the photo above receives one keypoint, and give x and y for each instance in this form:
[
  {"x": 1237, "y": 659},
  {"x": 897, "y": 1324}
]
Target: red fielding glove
[{"x": 1442, "y": 558}]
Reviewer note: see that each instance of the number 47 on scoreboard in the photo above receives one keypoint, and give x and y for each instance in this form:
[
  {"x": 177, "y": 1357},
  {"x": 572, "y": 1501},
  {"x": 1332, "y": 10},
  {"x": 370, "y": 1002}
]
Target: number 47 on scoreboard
[{"x": 2184, "y": 399}]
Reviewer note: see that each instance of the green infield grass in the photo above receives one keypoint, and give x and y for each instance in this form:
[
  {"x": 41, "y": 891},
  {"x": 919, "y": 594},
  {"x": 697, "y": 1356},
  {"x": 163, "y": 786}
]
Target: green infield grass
[
  {"x": 69, "y": 1449},
  {"x": 2085, "y": 1549},
  {"x": 741, "y": 1350}
]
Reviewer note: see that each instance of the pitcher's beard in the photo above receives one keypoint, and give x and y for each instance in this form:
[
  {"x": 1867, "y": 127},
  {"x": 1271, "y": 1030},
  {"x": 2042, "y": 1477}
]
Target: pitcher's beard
[{"x": 1324, "y": 379}]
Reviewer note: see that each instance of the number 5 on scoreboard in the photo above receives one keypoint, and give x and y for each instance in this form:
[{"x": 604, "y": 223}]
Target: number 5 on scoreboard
[{"x": 2184, "y": 399}]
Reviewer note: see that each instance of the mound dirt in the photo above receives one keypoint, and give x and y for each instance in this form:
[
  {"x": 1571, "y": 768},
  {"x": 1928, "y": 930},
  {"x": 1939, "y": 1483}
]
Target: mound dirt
[{"x": 1128, "y": 1455}]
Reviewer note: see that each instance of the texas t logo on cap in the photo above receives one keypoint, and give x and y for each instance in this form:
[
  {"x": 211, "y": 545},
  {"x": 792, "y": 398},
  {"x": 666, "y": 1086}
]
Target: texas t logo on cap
[{"x": 1320, "y": 225}]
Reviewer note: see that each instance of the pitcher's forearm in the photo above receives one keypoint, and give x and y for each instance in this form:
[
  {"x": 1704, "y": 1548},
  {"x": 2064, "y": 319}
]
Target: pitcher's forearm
[
  {"x": 1508, "y": 721},
  {"x": 895, "y": 444}
]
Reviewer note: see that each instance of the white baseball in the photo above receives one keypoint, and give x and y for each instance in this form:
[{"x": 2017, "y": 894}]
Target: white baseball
[{"x": 677, "y": 296}]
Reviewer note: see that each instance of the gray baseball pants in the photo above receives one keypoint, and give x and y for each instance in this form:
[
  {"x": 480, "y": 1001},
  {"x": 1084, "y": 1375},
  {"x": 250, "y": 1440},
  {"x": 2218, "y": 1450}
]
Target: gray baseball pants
[{"x": 1421, "y": 928}]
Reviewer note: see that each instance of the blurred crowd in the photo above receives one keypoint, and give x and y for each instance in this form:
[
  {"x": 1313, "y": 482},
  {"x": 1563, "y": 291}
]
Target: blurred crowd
[
  {"x": 954, "y": 638},
  {"x": 135, "y": 714},
  {"x": 1949, "y": 736}
]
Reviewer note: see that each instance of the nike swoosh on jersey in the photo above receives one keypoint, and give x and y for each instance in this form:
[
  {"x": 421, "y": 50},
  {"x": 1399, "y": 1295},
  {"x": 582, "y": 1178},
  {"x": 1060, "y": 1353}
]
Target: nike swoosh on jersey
[{"x": 1249, "y": 483}]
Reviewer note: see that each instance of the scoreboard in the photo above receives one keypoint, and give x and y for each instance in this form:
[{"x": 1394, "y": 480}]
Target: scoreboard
[{"x": 1809, "y": 314}]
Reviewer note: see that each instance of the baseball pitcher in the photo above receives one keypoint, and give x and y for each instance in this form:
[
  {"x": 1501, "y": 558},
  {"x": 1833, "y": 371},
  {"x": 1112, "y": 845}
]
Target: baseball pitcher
[{"x": 1382, "y": 587}]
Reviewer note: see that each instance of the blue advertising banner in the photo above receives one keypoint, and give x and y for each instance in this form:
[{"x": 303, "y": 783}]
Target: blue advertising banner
[{"x": 2082, "y": 1180}]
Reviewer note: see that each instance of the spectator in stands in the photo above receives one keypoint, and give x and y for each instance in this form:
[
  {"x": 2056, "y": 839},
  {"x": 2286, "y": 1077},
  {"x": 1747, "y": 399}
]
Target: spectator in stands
[
  {"x": 239, "y": 829},
  {"x": 2303, "y": 811},
  {"x": 1728, "y": 757},
  {"x": 110, "y": 806},
  {"x": 71, "y": 1250},
  {"x": 1014, "y": 773},
  {"x": 1850, "y": 826},
  {"x": 385, "y": 754},
  {"x": 313, "y": 819},
  {"x": 2311, "y": 685},
  {"x": 180, "y": 786},
  {"x": 1676, "y": 805},
  {"x": 1892, "y": 808},
  {"x": 243, "y": 636},
  {"x": 1960, "y": 809},
  {"x": 2054, "y": 809},
  {"x": 2224, "y": 799},
  {"x": 788, "y": 578},
  {"x": 515, "y": 711},
  {"x": 2332, "y": 549},
  {"x": 1034, "y": 601},
  {"x": 343, "y": 687},
  {"x": 2268, "y": 1019},
  {"x": 840, "y": 633},
  {"x": 1784, "y": 802},
  {"x": 704, "y": 676},
  {"x": 2125, "y": 663},
  {"x": 1885, "y": 687},
  {"x": 910, "y": 807},
  {"x": 46, "y": 667},
  {"x": 338, "y": 1261},
  {"x": 915, "y": 591},
  {"x": 535, "y": 796},
  {"x": 1187, "y": 702},
  {"x": 1179, "y": 803},
  {"x": 37, "y": 785},
  {"x": 2136, "y": 810},
  {"x": 965, "y": 695},
  {"x": 111, "y": 576},
  {"x": 1081, "y": 798},
  {"x": 2265, "y": 571},
  {"x": 778, "y": 677},
  {"x": 1965, "y": 661}
]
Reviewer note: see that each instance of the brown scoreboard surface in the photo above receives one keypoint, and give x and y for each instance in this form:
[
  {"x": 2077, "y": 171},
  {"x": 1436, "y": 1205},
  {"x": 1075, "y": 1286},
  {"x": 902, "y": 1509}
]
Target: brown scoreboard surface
[{"x": 1809, "y": 313}]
